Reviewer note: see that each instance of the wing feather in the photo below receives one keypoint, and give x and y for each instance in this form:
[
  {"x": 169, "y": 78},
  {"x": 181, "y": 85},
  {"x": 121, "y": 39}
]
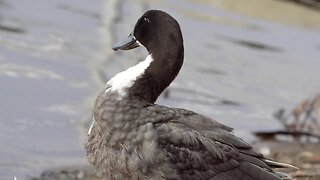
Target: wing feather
[{"x": 209, "y": 151}]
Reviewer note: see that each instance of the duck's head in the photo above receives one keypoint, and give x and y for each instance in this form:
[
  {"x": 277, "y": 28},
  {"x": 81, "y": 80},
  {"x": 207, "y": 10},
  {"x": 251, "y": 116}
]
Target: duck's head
[
  {"x": 156, "y": 31},
  {"x": 160, "y": 34}
]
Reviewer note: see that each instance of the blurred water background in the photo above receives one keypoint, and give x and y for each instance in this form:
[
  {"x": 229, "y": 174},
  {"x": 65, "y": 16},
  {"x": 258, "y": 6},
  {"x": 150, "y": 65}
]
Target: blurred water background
[{"x": 243, "y": 60}]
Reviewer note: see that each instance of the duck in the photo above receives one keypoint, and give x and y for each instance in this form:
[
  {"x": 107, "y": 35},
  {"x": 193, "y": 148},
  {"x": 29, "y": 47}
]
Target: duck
[{"x": 131, "y": 137}]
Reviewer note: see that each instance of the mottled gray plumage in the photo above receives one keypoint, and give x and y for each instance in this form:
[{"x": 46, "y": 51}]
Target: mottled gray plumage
[{"x": 133, "y": 138}]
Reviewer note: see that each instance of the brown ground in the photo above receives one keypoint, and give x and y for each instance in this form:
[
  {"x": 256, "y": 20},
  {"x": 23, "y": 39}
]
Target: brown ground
[{"x": 304, "y": 156}]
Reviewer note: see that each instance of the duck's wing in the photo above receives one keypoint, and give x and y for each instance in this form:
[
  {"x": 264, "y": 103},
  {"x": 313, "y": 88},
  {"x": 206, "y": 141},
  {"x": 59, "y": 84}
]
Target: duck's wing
[{"x": 200, "y": 148}]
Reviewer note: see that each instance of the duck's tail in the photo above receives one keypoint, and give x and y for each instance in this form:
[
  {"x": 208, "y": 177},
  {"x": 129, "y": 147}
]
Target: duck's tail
[{"x": 275, "y": 164}]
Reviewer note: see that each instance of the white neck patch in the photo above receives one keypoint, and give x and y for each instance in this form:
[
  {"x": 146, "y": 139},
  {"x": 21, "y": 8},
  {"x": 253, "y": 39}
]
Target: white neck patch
[{"x": 125, "y": 79}]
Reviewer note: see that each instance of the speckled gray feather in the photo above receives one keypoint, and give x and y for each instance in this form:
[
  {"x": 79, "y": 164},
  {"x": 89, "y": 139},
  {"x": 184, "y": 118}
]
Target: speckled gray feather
[{"x": 134, "y": 140}]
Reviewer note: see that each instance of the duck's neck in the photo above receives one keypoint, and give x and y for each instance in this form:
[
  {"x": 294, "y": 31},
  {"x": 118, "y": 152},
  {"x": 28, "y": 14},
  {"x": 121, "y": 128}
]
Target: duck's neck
[
  {"x": 146, "y": 80},
  {"x": 161, "y": 71}
]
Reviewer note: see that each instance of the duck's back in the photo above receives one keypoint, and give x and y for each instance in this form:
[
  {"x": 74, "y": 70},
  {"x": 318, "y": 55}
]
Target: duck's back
[{"x": 135, "y": 140}]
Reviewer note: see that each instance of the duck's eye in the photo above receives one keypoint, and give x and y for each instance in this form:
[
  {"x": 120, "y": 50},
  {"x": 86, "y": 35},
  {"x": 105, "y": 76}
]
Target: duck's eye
[{"x": 146, "y": 19}]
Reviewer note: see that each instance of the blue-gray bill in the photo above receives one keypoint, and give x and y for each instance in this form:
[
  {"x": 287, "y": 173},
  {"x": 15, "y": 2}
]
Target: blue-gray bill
[{"x": 128, "y": 43}]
